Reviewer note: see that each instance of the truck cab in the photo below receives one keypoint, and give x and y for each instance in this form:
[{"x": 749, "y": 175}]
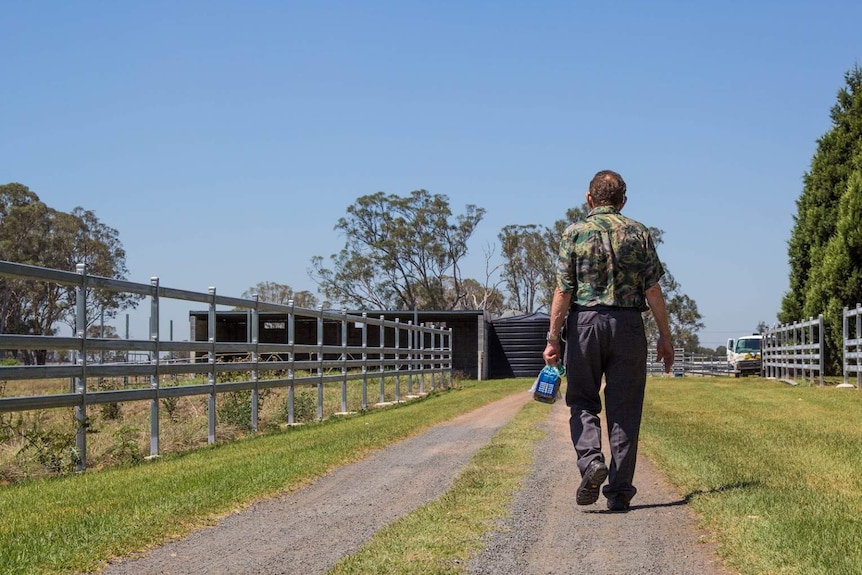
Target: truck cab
[{"x": 743, "y": 355}]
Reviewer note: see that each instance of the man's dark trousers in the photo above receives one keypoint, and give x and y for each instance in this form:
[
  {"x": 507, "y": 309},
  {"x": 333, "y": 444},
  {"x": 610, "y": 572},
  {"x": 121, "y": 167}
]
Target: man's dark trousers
[{"x": 610, "y": 342}]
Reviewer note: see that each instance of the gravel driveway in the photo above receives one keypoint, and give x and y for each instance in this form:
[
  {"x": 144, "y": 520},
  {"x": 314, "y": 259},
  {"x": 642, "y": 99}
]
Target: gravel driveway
[
  {"x": 307, "y": 531},
  {"x": 549, "y": 533}
]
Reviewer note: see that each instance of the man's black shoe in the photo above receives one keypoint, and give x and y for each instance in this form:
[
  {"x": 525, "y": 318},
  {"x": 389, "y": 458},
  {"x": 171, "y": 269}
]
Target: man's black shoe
[
  {"x": 588, "y": 491},
  {"x": 618, "y": 505}
]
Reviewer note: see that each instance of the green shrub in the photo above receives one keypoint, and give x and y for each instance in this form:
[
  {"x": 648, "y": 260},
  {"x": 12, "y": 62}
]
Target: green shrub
[
  {"x": 126, "y": 450},
  {"x": 54, "y": 450},
  {"x": 304, "y": 407}
]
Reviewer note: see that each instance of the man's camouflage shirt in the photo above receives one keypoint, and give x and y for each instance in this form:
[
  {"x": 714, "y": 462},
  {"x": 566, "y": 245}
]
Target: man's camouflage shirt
[{"x": 608, "y": 259}]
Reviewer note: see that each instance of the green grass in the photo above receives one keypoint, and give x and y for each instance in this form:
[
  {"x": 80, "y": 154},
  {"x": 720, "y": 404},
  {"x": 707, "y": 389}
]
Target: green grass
[
  {"x": 440, "y": 537},
  {"x": 774, "y": 470},
  {"x": 76, "y": 522}
]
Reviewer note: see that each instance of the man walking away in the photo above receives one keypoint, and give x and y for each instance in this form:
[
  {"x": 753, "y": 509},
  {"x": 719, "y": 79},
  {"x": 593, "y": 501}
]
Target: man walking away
[{"x": 608, "y": 273}]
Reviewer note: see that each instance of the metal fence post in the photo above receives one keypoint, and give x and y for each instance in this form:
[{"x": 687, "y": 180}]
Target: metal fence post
[
  {"x": 858, "y": 345},
  {"x": 434, "y": 385},
  {"x": 320, "y": 362},
  {"x": 81, "y": 381},
  {"x": 364, "y": 360},
  {"x": 845, "y": 331},
  {"x": 154, "y": 359},
  {"x": 255, "y": 358},
  {"x": 343, "y": 360},
  {"x": 821, "y": 351},
  {"x": 451, "y": 350},
  {"x": 291, "y": 375},
  {"x": 421, "y": 355},
  {"x": 410, "y": 335},
  {"x": 397, "y": 358},
  {"x": 126, "y": 355},
  {"x": 211, "y": 400},
  {"x": 382, "y": 357}
]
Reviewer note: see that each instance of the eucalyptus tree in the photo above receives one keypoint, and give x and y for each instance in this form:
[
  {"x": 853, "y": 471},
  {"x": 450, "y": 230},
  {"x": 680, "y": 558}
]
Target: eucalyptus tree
[
  {"x": 281, "y": 294},
  {"x": 399, "y": 253},
  {"x": 33, "y": 233},
  {"x": 524, "y": 252}
]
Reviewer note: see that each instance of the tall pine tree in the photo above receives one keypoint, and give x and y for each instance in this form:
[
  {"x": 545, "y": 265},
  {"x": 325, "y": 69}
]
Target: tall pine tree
[{"x": 825, "y": 261}]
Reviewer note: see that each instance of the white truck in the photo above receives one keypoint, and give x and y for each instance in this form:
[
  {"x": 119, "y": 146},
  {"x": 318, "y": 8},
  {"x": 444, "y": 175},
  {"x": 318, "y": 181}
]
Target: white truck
[{"x": 743, "y": 355}]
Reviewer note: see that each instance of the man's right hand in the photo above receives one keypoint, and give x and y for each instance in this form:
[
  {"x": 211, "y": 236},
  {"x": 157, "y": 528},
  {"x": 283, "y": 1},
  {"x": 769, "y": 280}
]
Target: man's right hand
[
  {"x": 665, "y": 352},
  {"x": 552, "y": 353}
]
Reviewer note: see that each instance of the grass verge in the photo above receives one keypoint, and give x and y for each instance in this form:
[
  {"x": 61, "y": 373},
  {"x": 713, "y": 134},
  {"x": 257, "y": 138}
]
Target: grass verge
[
  {"x": 440, "y": 537},
  {"x": 772, "y": 469},
  {"x": 76, "y": 522}
]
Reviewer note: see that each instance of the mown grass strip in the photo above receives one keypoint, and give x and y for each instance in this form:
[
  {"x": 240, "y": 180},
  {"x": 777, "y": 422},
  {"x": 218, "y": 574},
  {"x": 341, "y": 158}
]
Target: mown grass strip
[
  {"x": 441, "y": 536},
  {"x": 774, "y": 470},
  {"x": 75, "y": 523}
]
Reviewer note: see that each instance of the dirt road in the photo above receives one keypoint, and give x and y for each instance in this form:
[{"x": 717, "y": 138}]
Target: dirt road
[
  {"x": 306, "y": 532},
  {"x": 552, "y": 534}
]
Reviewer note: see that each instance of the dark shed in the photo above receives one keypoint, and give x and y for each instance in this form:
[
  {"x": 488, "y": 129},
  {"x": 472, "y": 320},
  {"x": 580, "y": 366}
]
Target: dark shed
[{"x": 515, "y": 345}]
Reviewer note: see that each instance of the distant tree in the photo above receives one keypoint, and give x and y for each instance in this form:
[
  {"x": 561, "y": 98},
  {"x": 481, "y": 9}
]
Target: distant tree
[
  {"x": 706, "y": 351},
  {"x": 28, "y": 308},
  {"x": 484, "y": 295},
  {"x": 824, "y": 272},
  {"x": 281, "y": 294},
  {"x": 105, "y": 332},
  {"x": 399, "y": 253},
  {"x": 83, "y": 239},
  {"x": 33, "y": 233},
  {"x": 478, "y": 296},
  {"x": 762, "y": 327},
  {"x": 525, "y": 254},
  {"x": 684, "y": 317}
]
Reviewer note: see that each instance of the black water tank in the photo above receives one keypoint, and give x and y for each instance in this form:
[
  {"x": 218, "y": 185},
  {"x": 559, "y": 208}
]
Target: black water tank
[{"x": 516, "y": 344}]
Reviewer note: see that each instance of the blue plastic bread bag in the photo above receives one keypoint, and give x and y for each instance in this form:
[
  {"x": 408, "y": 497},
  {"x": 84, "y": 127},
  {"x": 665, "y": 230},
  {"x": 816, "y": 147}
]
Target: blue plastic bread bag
[{"x": 547, "y": 386}]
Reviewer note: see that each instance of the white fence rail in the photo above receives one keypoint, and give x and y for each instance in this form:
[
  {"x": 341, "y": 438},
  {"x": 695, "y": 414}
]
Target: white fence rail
[
  {"x": 852, "y": 348},
  {"x": 405, "y": 352},
  {"x": 794, "y": 350}
]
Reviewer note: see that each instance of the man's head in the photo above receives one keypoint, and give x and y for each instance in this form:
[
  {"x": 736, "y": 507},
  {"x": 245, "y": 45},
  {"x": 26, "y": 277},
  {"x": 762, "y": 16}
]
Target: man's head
[{"x": 607, "y": 188}]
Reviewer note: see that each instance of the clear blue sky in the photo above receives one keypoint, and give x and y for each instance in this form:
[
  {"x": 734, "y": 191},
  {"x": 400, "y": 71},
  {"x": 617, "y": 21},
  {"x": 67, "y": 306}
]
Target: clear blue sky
[{"x": 224, "y": 139}]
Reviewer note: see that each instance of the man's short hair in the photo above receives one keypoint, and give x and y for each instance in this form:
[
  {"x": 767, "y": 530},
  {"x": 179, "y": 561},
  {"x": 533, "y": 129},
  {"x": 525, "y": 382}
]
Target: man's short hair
[{"x": 607, "y": 188}]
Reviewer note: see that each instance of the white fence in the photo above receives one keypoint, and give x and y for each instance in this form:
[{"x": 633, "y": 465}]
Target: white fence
[
  {"x": 794, "y": 350},
  {"x": 689, "y": 364},
  {"x": 406, "y": 353},
  {"x": 852, "y": 348}
]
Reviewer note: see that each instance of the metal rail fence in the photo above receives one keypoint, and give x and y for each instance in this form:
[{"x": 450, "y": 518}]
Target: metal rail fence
[
  {"x": 689, "y": 364},
  {"x": 852, "y": 347},
  {"x": 794, "y": 350},
  {"x": 405, "y": 351}
]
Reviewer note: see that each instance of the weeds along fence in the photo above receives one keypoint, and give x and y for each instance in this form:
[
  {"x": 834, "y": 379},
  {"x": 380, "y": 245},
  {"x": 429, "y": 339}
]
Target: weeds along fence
[
  {"x": 794, "y": 350},
  {"x": 417, "y": 356}
]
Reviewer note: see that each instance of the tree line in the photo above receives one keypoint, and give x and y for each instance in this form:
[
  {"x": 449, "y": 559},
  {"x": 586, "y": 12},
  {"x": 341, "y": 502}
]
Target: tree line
[{"x": 825, "y": 246}]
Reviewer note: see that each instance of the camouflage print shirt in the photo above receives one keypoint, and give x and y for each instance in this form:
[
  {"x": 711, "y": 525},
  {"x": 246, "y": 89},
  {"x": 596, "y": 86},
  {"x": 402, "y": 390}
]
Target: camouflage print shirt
[{"x": 608, "y": 259}]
